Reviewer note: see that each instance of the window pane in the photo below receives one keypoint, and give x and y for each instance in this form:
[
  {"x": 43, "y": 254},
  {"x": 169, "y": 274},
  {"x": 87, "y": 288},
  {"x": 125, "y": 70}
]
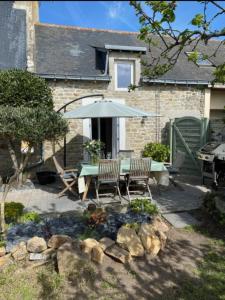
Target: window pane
[{"x": 123, "y": 75}]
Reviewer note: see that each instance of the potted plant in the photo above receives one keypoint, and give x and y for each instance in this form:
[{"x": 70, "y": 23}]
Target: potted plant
[{"x": 94, "y": 148}]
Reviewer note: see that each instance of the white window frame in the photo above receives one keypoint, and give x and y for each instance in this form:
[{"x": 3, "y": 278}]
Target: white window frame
[{"x": 128, "y": 62}]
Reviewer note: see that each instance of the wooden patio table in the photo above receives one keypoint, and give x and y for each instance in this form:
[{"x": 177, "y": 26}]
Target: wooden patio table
[{"x": 159, "y": 172}]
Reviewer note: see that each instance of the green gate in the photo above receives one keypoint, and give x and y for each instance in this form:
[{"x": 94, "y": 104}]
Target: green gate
[{"x": 188, "y": 134}]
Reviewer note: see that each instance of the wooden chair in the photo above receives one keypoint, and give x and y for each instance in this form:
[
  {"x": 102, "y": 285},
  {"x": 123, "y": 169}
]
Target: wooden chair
[
  {"x": 108, "y": 174},
  {"x": 68, "y": 176},
  {"x": 140, "y": 170}
]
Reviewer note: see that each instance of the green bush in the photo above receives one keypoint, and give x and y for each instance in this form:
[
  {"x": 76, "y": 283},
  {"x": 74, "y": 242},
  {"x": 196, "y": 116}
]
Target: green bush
[
  {"x": 30, "y": 216},
  {"x": 143, "y": 205},
  {"x": 22, "y": 88},
  {"x": 209, "y": 206},
  {"x": 156, "y": 151},
  {"x": 13, "y": 211}
]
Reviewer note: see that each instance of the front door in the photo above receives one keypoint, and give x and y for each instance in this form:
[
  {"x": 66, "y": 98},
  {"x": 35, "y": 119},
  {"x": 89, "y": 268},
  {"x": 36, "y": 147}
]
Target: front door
[{"x": 106, "y": 134}]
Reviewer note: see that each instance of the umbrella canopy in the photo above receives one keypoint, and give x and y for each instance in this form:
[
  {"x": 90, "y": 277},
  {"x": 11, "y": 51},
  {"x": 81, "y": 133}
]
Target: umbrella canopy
[{"x": 106, "y": 109}]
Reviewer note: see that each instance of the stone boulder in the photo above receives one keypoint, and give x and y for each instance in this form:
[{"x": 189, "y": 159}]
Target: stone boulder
[
  {"x": 163, "y": 238},
  {"x": 159, "y": 224},
  {"x": 105, "y": 243},
  {"x": 19, "y": 252},
  {"x": 2, "y": 251},
  {"x": 36, "y": 245},
  {"x": 69, "y": 255},
  {"x": 129, "y": 240},
  {"x": 5, "y": 261},
  {"x": 57, "y": 240},
  {"x": 117, "y": 253},
  {"x": 97, "y": 254},
  {"x": 155, "y": 245},
  {"x": 145, "y": 233},
  {"x": 87, "y": 245}
]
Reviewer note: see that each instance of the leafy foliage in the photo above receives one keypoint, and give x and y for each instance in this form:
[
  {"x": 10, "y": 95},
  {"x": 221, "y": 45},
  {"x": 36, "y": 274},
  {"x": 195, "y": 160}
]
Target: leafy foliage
[
  {"x": 13, "y": 210},
  {"x": 33, "y": 125},
  {"x": 143, "y": 205},
  {"x": 209, "y": 206},
  {"x": 30, "y": 216},
  {"x": 93, "y": 148},
  {"x": 156, "y": 151},
  {"x": 166, "y": 42},
  {"x": 22, "y": 88}
]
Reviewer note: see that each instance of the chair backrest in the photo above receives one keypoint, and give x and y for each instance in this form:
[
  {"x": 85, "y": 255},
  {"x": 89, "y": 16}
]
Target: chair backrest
[
  {"x": 109, "y": 170},
  {"x": 122, "y": 154},
  {"x": 59, "y": 169},
  {"x": 179, "y": 160},
  {"x": 140, "y": 167}
]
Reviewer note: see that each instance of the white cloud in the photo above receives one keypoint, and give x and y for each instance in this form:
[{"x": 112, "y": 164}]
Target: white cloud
[{"x": 114, "y": 10}]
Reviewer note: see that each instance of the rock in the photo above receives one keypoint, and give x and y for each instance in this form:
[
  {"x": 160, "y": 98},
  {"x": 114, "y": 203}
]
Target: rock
[
  {"x": 37, "y": 256},
  {"x": 97, "y": 254},
  {"x": 57, "y": 240},
  {"x": 118, "y": 254},
  {"x": 87, "y": 245},
  {"x": 36, "y": 245},
  {"x": 105, "y": 243},
  {"x": 145, "y": 233},
  {"x": 19, "y": 252},
  {"x": 159, "y": 224},
  {"x": 155, "y": 246},
  {"x": 162, "y": 237},
  {"x": 49, "y": 253},
  {"x": 69, "y": 255},
  {"x": 128, "y": 239},
  {"x": 5, "y": 261},
  {"x": 2, "y": 251}
]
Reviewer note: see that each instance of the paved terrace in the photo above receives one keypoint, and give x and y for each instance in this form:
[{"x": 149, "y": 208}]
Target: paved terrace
[{"x": 44, "y": 199}]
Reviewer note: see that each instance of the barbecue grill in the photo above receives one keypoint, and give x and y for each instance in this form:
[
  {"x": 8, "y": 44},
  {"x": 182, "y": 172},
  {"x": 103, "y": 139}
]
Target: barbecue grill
[{"x": 213, "y": 167}]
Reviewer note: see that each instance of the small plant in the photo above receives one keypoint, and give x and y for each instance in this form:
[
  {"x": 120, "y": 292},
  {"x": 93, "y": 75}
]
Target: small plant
[
  {"x": 88, "y": 233},
  {"x": 30, "y": 216},
  {"x": 143, "y": 205},
  {"x": 94, "y": 148},
  {"x": 156, "y": 151},
  {"x": 13, "y": 211},
  {"x": 134, "y": 226}
]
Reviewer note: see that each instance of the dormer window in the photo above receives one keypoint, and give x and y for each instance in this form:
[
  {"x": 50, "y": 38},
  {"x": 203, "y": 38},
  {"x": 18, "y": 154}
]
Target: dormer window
[
  {"x": 201, "y": 60},
  {"x": 124, "y": 75}
]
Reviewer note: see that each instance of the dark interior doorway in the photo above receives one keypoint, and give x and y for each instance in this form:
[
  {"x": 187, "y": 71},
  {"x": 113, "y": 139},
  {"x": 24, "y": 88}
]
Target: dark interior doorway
[{"x": 106, "y": 133}]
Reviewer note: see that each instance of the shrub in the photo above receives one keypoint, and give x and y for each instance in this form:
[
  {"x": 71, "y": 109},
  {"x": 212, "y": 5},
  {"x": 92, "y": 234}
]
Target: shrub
[
  {"x": 13, "y": 211},
  {"x": 156, "y": 151},
  {"x": 30, "y": 216},
  {"x": 143, "y": 205},
  {"x": 209, "y": 206}
]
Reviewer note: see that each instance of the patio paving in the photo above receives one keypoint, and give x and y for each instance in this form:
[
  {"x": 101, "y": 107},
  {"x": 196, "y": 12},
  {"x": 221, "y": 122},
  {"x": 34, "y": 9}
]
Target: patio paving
[
  {"x": 181, "y": 220},
  {"x": 43, "y": 199}
]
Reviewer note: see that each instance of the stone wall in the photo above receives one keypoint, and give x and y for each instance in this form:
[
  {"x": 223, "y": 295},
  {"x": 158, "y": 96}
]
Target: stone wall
[{"x": 167, "y": 100}]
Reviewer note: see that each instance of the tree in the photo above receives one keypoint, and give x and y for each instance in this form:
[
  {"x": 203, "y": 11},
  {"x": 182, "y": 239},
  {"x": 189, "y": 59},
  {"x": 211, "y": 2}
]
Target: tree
[
  {"x": 26, "y": 114},
  {"x": 166, "y": 42}
]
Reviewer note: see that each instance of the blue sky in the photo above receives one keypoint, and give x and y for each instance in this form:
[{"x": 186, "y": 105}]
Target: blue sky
[{"x": 117, "y": 15}]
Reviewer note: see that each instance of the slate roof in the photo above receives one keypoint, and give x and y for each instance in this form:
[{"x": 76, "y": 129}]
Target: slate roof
[
  {"x": 68, "y": 50},
  {"x": 12, "y": 36}
]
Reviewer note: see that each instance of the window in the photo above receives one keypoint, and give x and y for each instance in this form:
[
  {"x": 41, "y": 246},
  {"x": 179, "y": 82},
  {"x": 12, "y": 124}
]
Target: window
[
  {"x": 201, "y": 60},
  {"x": 124, "y": 74}
]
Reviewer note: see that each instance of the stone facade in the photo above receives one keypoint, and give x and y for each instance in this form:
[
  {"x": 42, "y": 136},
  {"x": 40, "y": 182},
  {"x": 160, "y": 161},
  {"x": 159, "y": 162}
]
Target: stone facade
[{"x": 166, "y": 100}]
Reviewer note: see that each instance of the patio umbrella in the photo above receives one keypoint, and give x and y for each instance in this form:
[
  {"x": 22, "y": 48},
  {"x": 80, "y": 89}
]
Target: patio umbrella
[{"x": 106, "y": 109}]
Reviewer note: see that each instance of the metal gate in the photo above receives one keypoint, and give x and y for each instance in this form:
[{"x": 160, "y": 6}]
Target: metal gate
[{"x": 188, "y": 134}]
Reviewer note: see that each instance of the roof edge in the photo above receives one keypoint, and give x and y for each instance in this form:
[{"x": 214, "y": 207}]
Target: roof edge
[
  {"x": 74, "y": 77},
  {"x": 174, "y": 81},
  {"x": 85, "y": 28}
]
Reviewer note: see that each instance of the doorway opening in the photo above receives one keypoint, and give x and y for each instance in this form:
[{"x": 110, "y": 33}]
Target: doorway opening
[{"x": 106, "y": 128}]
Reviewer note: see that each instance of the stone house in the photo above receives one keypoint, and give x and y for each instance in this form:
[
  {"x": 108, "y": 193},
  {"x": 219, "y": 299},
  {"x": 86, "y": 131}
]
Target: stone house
[{"x": 80, "y": 61}]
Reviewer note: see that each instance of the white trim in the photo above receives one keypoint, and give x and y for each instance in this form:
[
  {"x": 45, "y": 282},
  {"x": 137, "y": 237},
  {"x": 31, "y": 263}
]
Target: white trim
[{"x": 128, "y": 62}]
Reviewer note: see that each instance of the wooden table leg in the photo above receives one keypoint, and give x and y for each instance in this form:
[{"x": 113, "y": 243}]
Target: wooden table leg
[{"x": 88, "y": 181}]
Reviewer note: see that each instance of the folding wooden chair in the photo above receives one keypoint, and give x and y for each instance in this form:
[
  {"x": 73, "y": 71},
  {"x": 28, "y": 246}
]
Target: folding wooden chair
[
  {"x": 68, "y": 177},
  {"x": 140, "y": 169},
  {"x": 109, "y": 174}
]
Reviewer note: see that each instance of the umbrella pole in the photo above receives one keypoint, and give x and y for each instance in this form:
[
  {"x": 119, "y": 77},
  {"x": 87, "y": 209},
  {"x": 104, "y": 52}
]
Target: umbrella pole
[{"x": 99, "y": 129}]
